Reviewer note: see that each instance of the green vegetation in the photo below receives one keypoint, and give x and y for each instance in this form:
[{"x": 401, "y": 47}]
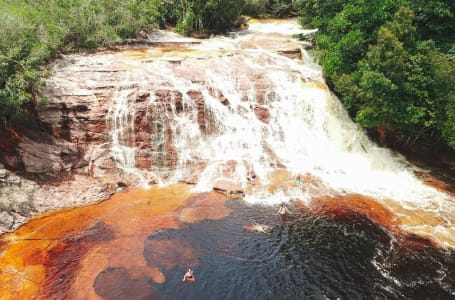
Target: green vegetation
[
  {"x": 196, "y": 16},
  {"x": 391, "y": 62},
  {"x": 270, "y": 8},
  {"x": 33, "y": 31}
]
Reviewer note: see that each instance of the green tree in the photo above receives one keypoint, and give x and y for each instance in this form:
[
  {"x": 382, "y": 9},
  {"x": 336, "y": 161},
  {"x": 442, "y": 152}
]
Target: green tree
[
  {"x": 202, "y": 15},
  {"x": 391, "y": 62}
]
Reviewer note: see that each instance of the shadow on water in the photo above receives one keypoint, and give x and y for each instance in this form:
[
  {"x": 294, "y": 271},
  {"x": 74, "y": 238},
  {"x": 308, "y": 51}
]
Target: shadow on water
[{"x": 307, "y": 257}]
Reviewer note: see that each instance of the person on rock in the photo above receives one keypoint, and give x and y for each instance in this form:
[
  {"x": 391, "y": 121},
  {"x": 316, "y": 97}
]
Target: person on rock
[
  {"x": 298, "y": 180},
  {"x": 251, "y": 176},
  {"x": 91, "y": 168}
]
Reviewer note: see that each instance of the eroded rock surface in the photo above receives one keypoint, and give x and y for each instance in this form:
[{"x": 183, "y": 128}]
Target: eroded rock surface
[{"x": 21, "y": 198}]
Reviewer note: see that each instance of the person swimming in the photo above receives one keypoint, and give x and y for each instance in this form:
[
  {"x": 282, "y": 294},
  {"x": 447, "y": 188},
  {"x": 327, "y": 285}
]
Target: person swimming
[
  {"x": 189, "y": 276},
  {"x": 283, "y": 211},
  {"x": 258, "y": 227}
]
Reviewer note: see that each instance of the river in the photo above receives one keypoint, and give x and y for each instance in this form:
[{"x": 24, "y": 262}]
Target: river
[{"x": 364, "y": 223}]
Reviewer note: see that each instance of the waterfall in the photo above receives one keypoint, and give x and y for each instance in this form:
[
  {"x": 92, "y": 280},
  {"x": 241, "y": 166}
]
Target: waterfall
[
  {"x": 120, "y": 119},
  {"x": 221, "y": 108}
]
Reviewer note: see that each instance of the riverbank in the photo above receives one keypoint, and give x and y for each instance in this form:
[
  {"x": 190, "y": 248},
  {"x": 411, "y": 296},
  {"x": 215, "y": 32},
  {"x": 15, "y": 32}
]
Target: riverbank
[{"x": 21, "y": 199}]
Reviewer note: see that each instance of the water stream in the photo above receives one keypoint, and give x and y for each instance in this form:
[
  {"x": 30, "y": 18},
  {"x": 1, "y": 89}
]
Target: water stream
[{"x": 363, "y": 225}]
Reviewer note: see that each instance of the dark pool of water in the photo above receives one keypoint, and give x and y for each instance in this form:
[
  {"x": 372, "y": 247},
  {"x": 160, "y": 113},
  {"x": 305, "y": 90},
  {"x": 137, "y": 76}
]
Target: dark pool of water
[{"x": 306, "y": 257}]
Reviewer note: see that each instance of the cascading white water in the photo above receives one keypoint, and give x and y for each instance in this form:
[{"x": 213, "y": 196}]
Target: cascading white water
[
  {"x": 121, "y": 118},
  {"x": 307, "y": 132}
]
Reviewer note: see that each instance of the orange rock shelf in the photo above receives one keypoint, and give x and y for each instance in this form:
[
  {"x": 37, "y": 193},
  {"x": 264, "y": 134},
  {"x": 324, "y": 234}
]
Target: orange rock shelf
[
  {"x": 82, "y": 253},
  {"x": 388, "y": 216}
]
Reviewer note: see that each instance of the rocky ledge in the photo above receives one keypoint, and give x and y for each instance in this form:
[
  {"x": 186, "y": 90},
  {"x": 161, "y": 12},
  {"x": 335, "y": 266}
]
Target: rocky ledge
[{"x": 21, "y": 198}]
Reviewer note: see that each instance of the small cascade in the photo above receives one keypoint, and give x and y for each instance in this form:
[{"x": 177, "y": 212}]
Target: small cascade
[
  {"x": 120, "y": 119},
  {"x": 158, "y": 120}
]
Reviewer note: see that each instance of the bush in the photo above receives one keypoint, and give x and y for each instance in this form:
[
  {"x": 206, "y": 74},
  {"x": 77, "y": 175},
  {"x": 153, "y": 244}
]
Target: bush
[{"x": 31, "y": 32}]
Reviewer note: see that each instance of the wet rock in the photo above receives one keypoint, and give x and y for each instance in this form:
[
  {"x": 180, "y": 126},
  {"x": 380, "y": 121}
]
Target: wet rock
[
  {"x": 21, "y": 199},
  {"x": 117, "y": 283},
  {"x": 39, "y": 157},
  {"x": 242, "y": 22},
  {"x": 275, "y": 42},
  {"x": 169, "y": 254},
  {"x": 228, "y": 187},
  {"x": 88, "y": 93},
  {"x": 204, "y": 206},
  {"x": 7, "y": 218},
  {"x": 262, "y": 113},
  {"x": 3, "y": 174}
]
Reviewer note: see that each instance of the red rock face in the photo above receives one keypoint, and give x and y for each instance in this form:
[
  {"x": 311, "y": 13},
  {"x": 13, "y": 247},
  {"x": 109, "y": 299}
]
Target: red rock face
[
  {"x": 79, "y": 115},
  {"x": 157, "y": 84},
  {"x": 8, "y": 148},
  {"x": 262, "y": 114}
]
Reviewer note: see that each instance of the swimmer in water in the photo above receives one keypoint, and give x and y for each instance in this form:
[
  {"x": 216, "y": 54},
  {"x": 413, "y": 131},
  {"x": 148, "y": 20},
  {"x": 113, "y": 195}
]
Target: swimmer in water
[
  {"x": 283, "y": 211},
  {"x": 258, "y": 227},
  {"x": 189, "y": 276}
]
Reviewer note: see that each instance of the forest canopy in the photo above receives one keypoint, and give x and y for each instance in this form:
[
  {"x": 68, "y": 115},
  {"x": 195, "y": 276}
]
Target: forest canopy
[{"x": 391, "y": 62}]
